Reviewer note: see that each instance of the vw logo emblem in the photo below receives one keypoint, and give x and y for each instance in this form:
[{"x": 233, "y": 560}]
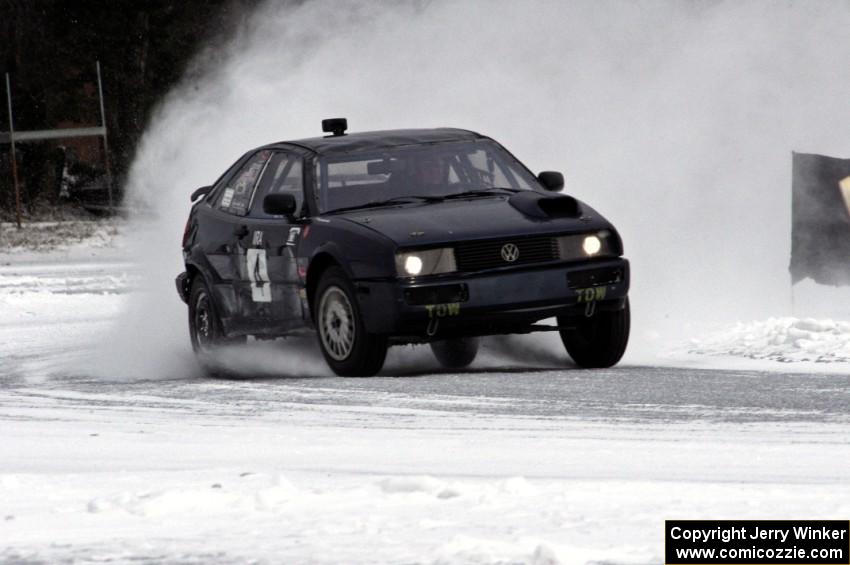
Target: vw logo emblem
[{"x": 510, "y": 252}]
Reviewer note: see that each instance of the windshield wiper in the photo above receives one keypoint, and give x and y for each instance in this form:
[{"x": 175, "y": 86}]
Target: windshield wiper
[
  {"x": 404, "y": 199},
  {"x": 408, "y": 198},
  {"x": 481, "y": 192}
]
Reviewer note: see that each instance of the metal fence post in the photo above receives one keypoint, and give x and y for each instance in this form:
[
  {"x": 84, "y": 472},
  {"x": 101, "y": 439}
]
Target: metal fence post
[
  {"x": 14, "y": 160},
  {"x": 105, "y": 141},
  {"x": 13, "y": 137}
]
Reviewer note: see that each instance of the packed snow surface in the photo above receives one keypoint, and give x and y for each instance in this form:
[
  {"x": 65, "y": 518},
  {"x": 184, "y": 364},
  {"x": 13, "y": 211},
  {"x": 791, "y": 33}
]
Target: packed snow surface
[{"x": 521, "y": 459}]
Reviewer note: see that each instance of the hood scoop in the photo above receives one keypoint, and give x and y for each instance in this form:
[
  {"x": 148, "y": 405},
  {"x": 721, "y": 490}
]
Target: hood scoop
[{"x": 541, "y": 206}]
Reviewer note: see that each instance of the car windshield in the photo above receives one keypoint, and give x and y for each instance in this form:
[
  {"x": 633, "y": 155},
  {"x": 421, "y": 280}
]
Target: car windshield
[{"x": 418, "y": 173}]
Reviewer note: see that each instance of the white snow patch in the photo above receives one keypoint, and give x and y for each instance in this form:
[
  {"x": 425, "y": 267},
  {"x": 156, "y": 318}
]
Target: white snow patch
[
  {"x": 421, "y": 484},
  {"x": 169, "y": 502},
  {"x": 276, "y": 496}
]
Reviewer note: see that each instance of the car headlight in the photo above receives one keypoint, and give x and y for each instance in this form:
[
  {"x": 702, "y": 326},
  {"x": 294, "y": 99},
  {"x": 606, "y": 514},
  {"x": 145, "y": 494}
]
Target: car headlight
[
  {"x": 603, "y": 243},
  {"x": 425, "y": 262},
  {"x": 591, "y": 244}
]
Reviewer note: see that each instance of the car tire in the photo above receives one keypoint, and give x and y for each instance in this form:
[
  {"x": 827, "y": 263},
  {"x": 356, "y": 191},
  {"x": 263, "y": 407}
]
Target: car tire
[
  {"x": 455, "y": 353},
  {"x": 598, "y": 341},
  {"x": 205, "y": 329},
  {"x": 348, "y": 348}
]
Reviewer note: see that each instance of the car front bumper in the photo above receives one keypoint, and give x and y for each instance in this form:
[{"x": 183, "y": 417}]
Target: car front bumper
[{"x": 496, "y": 302}]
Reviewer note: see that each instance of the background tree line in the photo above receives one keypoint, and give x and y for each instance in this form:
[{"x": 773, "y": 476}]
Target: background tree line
[{"x": 49, "y": 48}]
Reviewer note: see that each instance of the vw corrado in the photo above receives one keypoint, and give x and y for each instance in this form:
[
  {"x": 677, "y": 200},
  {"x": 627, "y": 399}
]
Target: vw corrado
[{"x": 394, "y": 237}]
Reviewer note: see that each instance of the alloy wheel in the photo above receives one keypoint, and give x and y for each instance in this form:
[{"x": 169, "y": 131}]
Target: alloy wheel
[{"x": 336, "y": 323}]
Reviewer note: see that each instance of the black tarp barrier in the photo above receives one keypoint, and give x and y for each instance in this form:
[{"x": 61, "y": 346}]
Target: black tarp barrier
[{"x": 820, "y": 219}]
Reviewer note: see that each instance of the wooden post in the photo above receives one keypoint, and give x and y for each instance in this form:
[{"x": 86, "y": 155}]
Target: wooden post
[{"x": 14, "y": 159}]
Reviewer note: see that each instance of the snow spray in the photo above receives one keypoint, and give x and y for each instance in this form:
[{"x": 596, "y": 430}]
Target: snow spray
[{"x": 676, "y": 120}]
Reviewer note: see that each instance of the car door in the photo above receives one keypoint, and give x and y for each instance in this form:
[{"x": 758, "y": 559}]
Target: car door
[
  {"x": 270, "y": 283},
  {"x": 226, "y": 218},
  {"x": 217, "y": 226}
]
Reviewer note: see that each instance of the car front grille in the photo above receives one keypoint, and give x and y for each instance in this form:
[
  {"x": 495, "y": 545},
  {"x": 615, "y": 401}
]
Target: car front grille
[{"x": 480, "y": 255}]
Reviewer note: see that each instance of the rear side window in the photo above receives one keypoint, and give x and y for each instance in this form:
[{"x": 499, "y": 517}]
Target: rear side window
[
  {"x": 236, "y": 196},
  {"x": 283, "y": 174}
]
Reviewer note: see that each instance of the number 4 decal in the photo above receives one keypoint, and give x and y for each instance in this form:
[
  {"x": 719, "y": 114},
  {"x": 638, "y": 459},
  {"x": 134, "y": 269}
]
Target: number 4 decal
[{"x": 258, "y": 274}]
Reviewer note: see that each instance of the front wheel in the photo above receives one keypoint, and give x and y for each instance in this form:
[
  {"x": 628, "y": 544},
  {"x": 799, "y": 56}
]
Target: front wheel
[
  {"x": 598, "y": 341},
  {"x": 455, "y": 353},
  {"x": 349, "y": 349}
]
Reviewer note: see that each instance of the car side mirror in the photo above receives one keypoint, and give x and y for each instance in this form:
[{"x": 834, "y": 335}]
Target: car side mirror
[
  {"x": 551, "y": 180},
  {"x": 199, "y": 192},
  {"x": 280, "y": 204}
]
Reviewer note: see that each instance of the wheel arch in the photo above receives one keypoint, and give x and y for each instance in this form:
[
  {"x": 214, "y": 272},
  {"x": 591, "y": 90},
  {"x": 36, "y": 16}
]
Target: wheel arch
[
  {"x": 193, "y": 271},
  {"x": 320, "y": 263}
]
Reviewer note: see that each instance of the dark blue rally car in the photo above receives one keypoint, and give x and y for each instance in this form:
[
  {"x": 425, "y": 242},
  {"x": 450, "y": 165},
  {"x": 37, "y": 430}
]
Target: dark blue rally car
[{"x": 380, "y": 238}]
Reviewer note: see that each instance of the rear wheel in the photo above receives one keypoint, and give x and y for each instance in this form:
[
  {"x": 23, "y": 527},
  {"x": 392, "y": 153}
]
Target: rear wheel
[
  {"x": 598, "y": 341},
  {"x": 204, "y": 326},
  {"x": 205, "y": 330},
  {"x": 455, "y": 353},
  {"x": 349, "y": 349}
]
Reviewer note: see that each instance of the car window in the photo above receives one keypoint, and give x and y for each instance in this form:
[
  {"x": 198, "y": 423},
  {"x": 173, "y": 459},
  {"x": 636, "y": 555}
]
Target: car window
[
  {"x": 283, "y": 174},
  {"x": 427, "y": 170},
  {"x": 352, "y": 173},
  {"x": 218, "y": 186},
  {"x": 237, "y": 193},
  {"x": 489, "y": 172}
]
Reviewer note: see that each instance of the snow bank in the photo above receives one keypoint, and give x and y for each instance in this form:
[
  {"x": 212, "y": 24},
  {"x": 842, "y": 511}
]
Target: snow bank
[
  {"x": 814, "y": 337},
  {"x": 787, "y": 340},
  {"x": 75, "y": 237}
]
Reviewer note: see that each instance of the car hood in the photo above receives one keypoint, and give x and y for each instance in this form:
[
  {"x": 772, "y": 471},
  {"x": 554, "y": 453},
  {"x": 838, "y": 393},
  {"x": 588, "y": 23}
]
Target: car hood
[{"x": 426, "y": 224}]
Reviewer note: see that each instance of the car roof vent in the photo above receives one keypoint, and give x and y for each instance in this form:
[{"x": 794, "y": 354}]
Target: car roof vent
[{"x": 336, "y": 126}]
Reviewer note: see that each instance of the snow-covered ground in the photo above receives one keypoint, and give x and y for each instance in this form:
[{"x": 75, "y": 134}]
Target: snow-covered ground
[{"x": 521, "y": 459}]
